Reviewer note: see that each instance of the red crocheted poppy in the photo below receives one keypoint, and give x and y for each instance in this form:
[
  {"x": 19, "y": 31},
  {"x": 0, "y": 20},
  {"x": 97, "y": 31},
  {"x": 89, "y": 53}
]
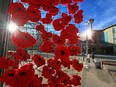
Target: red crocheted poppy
[
  {"x": 74, "y": 50},
  {"x": 46, "y": 36},
  {"x": 26, "y": 1},
  {"x": 36, "y": 3},
  {"x": 78, "y": 17},
  {"x": 48, "y": 19},
  {"x": 64, "y": 34},
  {"x": 5, "y": 63},
  {"x": 47, "y": 72},
  {"x": 36, "y": 82},
  {"x": 72, "y": 8},
  {"x": 44, "y": 85},
  {"x": 21, "y": 54},
  {"x": 54, "y": 63},
  {"x": 47, "y": 4},
  {"x": 55, "y": 2},
  {"x": 63, "y": 77},
  {"x": 33, "y": 13},
  {"x": 66, "y": 2},
  {"x": 66, "y": 63},
  {"x": 65, "y": 19},
  {"x": 58, "y": 40},
  {"x": 73, "y": 39},
  {"x": 18, "y": 14},
  {"x": 22, "y": 39},
  {"x": 76, "y": 80},
  {"x": 8, "y": 77},
  {"x": 61, "y": 52},
  {"x": 72, "y": 28},
  {"x": 38, "y": 60},
  {"x": 23, "y": 76},
  {"x": 54, "y": 11},
  {"x": 78, "y": 0},
  {"x": 76, "y": 65},
  {"x": 51, "y": 84},
  {"x": 16, "y": 8},
  {"x": 47, "y": 46},
  {"x": 40, "y": 28},
  {"x": 57, "y": 24}
]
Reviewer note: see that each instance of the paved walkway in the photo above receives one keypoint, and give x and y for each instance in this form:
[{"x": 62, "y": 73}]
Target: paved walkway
[{"x": 92, "y": 77}]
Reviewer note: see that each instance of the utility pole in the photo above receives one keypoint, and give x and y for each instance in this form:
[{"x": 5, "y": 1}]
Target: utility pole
[{"x": 91, "y": 28}]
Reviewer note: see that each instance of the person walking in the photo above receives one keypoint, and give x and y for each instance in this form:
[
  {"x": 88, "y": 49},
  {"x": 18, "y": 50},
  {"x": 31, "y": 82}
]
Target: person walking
[
  {"x": 92, "y": 56},
  {"x": 88, "y": 58}
]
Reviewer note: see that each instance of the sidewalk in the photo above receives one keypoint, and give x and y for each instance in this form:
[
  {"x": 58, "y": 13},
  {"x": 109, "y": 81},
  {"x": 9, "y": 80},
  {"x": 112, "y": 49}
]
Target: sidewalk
[{"x": 93, "y": 77}]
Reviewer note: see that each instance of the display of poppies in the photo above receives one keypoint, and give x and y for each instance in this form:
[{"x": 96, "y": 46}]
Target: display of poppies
[{"x": 25, "y": 70}]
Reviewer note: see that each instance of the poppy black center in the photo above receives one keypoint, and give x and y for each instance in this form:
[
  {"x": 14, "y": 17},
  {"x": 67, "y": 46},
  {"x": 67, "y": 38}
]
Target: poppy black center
[
  {"x": 11, "y": 74},
  {"x": 39, "y": 59},
  {"x": 22, "y": 73},
  {"x": 62, "y": 52},
  {"x": 33, "y": 12}
]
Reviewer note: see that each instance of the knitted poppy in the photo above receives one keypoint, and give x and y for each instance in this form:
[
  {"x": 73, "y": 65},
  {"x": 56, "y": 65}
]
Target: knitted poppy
[
  {"x": 8, "y": 77},
  {"x": 47, "y": 46},
  {"x": 38, "y": 60},
  {"x": 24, "y": 1},
  {"x": 23, "y": 76},
  {"x": 19, "y": 19},
  {"x": 66, "y": 2},
  {"x": 22, "y": 39},
  {"x": 5, "y": 63},
  {"x": 72, "y": 8},
  {"x": 57, "y": 24},
  {"x": 46, "y": 4},
  {"x": 62, "y": 52},
  {"x": 54, "y": 11},
  {"x": 74, "y": 50},
  {"x": 55, "y": 2},
  {"x": 20, "y": 54},
  {"x": 46, "y": 36},
  {"x": 78, "y": 17},
  {"x": 51, "y": 84},
  {"x": 73, "y": 39},
  {"x": 78, "y": 0},
  {"x": 76, "y": 80},
  {"x": 64, "y": 34},
  {"x": 36, "y": 82},
  {"x": 47, "y": 72},
  {"x": 65, "y": 18},
  {"x": 48, "y": 19},
  {"x": 40, "y": 28},
  {"x": 58, "y": 40},
  {"x": 44, "y": 85},
  {"x": 16, "y": 64},
  {"x": 33, "y": 13},
  {"x": 54, "y": 63},
  {"x": 63, "y": 77},
  {"x": 16, "y": 8},
  {"x": 72, "y": 28},
  {"x": 66, "y": 63},
  {"x": 18, "y": 14},
  {"x": 36, "y": 3},
  {"x": 76, "y": 65}
]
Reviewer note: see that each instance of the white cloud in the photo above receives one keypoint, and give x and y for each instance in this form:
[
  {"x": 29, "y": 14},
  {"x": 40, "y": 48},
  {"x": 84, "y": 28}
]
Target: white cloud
[{"x": 105, "y": 22}]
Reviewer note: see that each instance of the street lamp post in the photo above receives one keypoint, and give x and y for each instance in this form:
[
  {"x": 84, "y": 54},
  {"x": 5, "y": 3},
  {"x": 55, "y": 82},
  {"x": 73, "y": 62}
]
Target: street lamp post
[{"x": 88, "y": 33}]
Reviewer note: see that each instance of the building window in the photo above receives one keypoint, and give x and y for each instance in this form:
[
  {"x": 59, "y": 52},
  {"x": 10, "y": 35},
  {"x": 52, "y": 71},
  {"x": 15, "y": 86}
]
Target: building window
[{"x": 106, "y": 36}]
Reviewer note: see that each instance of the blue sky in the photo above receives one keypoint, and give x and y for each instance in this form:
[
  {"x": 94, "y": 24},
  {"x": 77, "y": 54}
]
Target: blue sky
[{"x": 102, "y": 11}]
